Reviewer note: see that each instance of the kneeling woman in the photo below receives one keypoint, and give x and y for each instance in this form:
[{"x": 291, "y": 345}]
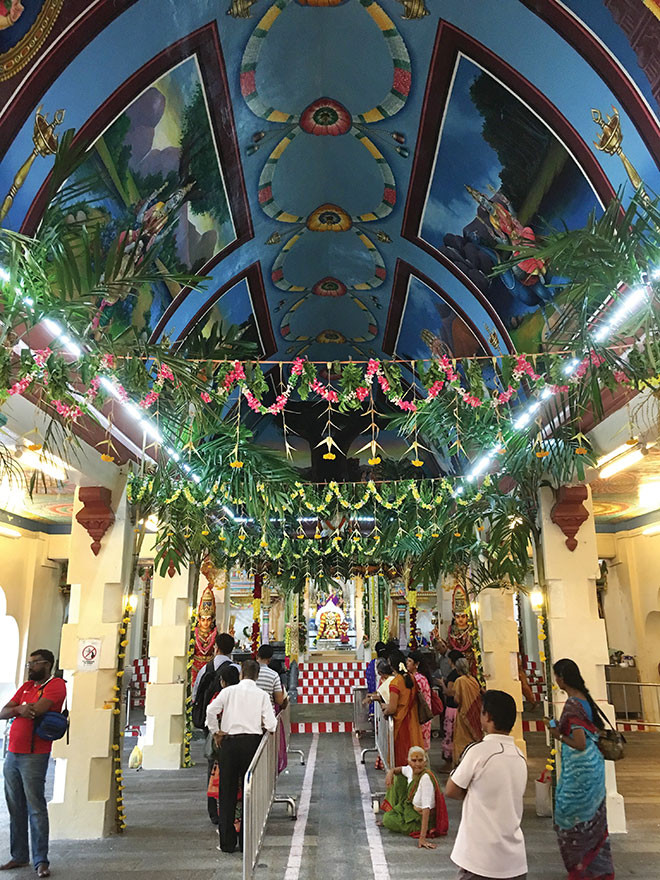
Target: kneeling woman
[{"x": 414, "y": 804}]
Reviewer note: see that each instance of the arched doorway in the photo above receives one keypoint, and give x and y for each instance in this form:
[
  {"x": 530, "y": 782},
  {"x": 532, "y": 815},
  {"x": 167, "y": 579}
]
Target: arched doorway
[{"x": 9, "y": 649}]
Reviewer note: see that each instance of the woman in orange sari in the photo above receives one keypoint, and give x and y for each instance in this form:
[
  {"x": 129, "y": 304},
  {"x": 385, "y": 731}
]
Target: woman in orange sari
[
  {"x": 467, "y": 693},
  {"x": 403, "y": 708}
]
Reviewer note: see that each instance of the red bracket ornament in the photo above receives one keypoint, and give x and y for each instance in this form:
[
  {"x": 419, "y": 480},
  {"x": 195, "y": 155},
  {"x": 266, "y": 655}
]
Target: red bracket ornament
[
  {"x": 96, "y": 516},
  {"x": 569, "y": 513}
]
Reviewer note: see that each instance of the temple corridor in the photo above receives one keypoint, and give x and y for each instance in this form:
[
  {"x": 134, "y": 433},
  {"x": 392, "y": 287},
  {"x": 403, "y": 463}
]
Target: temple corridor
[{"x": 169, "y": 836}]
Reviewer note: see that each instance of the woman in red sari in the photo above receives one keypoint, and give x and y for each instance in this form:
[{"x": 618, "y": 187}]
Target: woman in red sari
[
  {"x": 416, "y": 665},
  {"x": 403, "y": 708}
]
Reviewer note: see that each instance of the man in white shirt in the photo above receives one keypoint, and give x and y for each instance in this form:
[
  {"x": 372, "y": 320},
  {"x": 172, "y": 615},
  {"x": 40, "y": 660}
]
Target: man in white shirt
[
  {"x": 268, "y": 679},
  {"x": 491, "y": 780},
  {"x": 246, "y": 712}
]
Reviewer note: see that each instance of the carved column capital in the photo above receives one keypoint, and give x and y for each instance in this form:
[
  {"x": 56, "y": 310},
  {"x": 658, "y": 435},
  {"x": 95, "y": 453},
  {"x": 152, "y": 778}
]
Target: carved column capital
[
  {"x": 569, "y": 513},
  {"x": 96, "y": 516}
]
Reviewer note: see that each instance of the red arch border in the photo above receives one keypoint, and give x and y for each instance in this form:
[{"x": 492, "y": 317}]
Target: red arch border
[{"x": 577, "y": 35}]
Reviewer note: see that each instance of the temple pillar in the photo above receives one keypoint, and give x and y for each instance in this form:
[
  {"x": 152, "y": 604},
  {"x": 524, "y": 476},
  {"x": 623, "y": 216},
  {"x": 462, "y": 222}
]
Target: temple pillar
[
  {"x": 569, "y": 565},
  {"x": 359, "y": 610},
  {"x": 83, "y": 804},
  {"x": 166, "y": 688},
  {"x": 499, "y": 649},
  {"x": 265, "y": 616},
  {"x": 402, "y": 623}
]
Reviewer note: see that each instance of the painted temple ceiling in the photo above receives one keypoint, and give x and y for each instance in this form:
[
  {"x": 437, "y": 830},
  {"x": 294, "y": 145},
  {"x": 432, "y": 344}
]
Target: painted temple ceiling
[{"x": 342, "y": 171}]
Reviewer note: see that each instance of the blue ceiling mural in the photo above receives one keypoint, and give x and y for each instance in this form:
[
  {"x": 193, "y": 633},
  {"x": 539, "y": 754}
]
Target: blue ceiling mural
[{"x": 342, "y": 170}]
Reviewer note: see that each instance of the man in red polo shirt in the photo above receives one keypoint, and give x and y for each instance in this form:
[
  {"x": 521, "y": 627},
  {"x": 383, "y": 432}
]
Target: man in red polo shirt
[{"x": 27, "y": 761}]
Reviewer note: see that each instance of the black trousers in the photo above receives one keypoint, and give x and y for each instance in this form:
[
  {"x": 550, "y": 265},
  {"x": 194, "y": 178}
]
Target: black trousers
[
  {"x": 211, "y": 802},
  {"x": 236, "y": 753}
]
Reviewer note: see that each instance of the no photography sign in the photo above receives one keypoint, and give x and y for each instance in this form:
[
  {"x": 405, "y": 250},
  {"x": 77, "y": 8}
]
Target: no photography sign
[{"x": 89, "y": 651}]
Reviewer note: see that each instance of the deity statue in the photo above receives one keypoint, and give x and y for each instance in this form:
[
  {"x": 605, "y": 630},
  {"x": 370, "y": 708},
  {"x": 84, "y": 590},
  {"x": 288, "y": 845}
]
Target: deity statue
[
  {"x": 458, "y": 634},
  {"x": 206, "y": 629},
  {"x": 331, "y": 621}
]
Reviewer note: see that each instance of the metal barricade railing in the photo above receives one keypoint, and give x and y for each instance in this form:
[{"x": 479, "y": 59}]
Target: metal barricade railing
[
  {"x": 259, "y": 791},
  {"x": 258, "y": 794},
  {"x": 285, "y": 715},
  {"x": 383, "y": 732},
  {"x": 384, "y": 728},
  {"x": 642, "y": 705},
  {"x": 361, "y": 716}
]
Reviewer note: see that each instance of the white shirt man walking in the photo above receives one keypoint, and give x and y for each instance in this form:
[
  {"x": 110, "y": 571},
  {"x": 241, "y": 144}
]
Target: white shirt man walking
[
  {"x": 490, "y": 780},
  {"x": 246, "y": 712}
]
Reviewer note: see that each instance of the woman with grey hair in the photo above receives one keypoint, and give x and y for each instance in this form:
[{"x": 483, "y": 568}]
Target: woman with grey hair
[
  {"x": 414, "y": 803},
  {"x": 467, "y": 693}
]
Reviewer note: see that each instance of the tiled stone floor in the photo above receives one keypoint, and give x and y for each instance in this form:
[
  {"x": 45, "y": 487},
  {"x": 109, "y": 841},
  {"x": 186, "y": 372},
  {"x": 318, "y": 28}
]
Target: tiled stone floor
[{"x": 169, "y": 836}]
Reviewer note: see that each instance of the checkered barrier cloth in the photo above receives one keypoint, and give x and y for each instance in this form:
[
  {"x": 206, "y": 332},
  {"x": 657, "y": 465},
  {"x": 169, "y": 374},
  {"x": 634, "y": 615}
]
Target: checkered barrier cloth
[
  {"x": 322, "y": 727},
  {"x": 329, "y": 682},
  {"x": 139, "y": 681}
]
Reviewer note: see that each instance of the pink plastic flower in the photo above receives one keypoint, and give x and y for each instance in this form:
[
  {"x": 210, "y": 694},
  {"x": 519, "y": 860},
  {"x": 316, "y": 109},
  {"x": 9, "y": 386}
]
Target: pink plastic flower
[
  {"x": 206, "y": 397},
  {"x": 361, "y": 392},
  {"x": 41, "y": 356},
  {"x": 298, "y": 366},
  {"x": 164, "y": 372},
  {"x": 436, "y": 388},
  {"x": 149, "y": 399},
  {"x": 20, "y": 386}
]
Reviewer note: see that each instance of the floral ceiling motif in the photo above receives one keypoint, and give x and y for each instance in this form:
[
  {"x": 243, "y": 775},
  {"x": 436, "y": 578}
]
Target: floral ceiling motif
[{"x": 322, "y": 118}]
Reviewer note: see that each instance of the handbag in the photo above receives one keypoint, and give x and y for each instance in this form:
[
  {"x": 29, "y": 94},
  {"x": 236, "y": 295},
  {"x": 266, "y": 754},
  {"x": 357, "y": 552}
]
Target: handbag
[
  {"x": 610, "y": 742},
  {"x": 437, "y": 706},
  {"x": 543, "y": 792},
  {"x": 52, "y": 725},
  {"x": 423, "y": 709}
]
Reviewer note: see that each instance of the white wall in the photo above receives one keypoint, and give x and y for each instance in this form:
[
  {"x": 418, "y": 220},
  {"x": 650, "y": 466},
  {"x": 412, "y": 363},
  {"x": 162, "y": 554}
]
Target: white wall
[
  {"x": 30, "y": 581},
  {"x": 632, "y": 604}
]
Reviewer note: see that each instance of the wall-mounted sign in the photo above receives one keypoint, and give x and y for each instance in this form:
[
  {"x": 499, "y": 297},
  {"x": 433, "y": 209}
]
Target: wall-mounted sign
[{"x": 89, "y": 651}]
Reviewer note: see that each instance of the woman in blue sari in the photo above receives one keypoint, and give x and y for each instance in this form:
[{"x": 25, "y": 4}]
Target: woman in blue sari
[{"x": 580, "y": 805}]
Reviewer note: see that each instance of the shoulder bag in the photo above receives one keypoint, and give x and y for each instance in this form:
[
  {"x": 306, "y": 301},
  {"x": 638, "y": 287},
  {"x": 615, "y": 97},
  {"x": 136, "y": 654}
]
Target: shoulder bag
[{"x": 610, "y": 742}]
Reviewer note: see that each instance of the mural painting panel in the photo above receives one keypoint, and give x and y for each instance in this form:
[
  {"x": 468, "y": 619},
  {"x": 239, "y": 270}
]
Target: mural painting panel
[
  {"x": 234, "y": 308},
  {"x": 154, "y": 177},
  {"x": 431, "y": 327},
  {"x": 501, "y": 177}
]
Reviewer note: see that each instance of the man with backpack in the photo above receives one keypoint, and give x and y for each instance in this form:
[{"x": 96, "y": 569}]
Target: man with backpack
[
  {"x": 206, "y": 686},
  {"x": 26, "y": 762}
]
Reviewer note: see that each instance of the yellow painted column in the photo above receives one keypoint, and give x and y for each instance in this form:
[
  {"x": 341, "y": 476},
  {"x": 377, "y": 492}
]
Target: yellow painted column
[
  {"x": 574, "y": 628},
  {"x": 499, "y": 649},
  {"x": 83, "y": 806},
  {"x": 166, "y": 688}
]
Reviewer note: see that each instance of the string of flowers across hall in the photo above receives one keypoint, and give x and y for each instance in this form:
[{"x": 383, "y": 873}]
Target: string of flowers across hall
[{"x": 345, "y": 385}]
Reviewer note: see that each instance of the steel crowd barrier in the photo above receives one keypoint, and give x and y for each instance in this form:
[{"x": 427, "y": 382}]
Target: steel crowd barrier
[
  {"x": 384, "y": 727},
  {"x": 285, "y": 715},
  {"x": 361, "y": 715},
  {"x": 259, "y": 791}
]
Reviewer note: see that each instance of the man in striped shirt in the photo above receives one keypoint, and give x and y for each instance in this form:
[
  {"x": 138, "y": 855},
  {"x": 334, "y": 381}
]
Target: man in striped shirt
[{"x": 268, "y": 680}]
